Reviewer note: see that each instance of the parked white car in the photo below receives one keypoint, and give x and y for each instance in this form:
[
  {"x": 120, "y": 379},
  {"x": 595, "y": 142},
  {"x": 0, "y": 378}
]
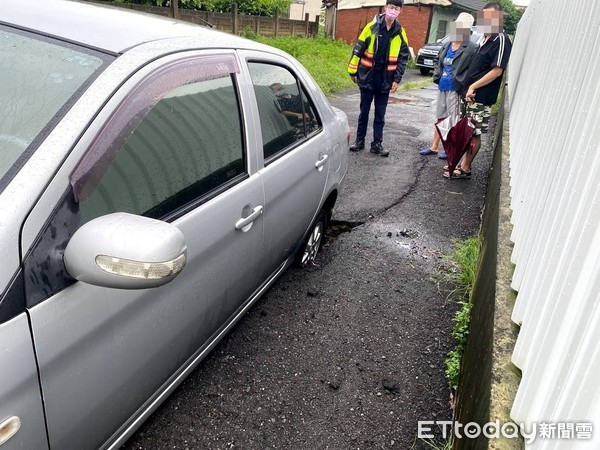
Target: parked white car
[{"x": 155, "y": 179}]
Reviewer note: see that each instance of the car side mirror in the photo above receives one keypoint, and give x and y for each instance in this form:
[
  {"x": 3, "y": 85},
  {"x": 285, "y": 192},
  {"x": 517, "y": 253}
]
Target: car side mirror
[{"x": 126, "y": 251}]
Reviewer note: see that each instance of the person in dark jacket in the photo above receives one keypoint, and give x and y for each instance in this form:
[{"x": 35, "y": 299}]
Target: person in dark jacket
[
  {"x": 448, "y": 58},
  {"x": 377, "y": 65},
  {"x": 481, "y": 82}
]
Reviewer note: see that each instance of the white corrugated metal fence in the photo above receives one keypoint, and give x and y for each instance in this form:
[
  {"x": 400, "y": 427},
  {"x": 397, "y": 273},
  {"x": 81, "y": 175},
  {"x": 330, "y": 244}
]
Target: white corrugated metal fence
[{"x": 554, "y": 94}]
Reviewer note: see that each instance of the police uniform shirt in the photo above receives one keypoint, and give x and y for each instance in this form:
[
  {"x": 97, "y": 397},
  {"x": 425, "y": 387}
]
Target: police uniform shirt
[{"x": 384, "y": 36}]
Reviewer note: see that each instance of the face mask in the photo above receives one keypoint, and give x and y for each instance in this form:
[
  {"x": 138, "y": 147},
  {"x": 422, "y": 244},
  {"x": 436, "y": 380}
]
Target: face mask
[{"x": 391, "y": 14}]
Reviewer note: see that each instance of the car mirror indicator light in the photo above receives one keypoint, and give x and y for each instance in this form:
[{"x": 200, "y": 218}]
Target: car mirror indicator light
[
  {"x": 140, "y": 269},
  {"x": 8, "y": 428}
]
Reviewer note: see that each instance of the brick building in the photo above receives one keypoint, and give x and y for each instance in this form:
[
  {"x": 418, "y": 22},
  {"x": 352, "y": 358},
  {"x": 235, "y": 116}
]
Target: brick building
[{"x": 424, "y": 20}]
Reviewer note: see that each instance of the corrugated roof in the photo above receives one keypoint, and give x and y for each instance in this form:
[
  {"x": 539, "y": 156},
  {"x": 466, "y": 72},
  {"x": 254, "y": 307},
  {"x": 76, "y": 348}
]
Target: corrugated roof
[
  {"x": 470, "y": 5},
  {"x": 428, "y": 2},
  {"x": 355, "y": 4}
]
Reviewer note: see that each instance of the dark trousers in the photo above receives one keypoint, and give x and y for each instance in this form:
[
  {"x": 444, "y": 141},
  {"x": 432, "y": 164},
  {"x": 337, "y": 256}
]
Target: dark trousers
[{"x": 381, "y": 100}]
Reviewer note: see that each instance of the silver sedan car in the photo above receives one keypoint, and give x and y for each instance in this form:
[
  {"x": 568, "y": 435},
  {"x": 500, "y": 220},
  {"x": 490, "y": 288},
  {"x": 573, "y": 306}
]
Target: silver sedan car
[{"x": 156, "y": 177}]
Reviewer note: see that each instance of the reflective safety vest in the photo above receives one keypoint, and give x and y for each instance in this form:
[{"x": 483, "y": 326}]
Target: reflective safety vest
[{"x": 365, "y": 48}]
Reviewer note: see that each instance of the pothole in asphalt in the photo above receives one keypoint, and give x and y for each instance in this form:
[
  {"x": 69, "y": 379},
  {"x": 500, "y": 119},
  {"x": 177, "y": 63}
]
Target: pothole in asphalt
[{"x": 337, "y": 227}]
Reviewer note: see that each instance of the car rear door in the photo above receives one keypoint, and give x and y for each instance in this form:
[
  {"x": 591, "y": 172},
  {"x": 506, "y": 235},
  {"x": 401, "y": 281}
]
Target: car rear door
[
  {"x": 171, "y": 145},
  {"x": 296, "y": 154}
]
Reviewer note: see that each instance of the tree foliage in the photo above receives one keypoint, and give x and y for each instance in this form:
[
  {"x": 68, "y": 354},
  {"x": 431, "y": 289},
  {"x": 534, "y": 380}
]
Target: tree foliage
[
  {"x": 512, "y": 15},
  {"x": 251, "y": 7}
]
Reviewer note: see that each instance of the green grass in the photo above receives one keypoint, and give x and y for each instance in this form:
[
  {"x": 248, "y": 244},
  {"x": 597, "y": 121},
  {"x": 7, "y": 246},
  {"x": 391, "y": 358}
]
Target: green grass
[
  {"x": 459, "y": 276},
  {"x": 413, "y": 85},
  {"x": 496, "y": 106},
  {"x": 326, "y": 60},
  {"x": 431, "y": 443},
  {"x": 461, "y": 269},
  {"x": 435, "y": 445},
  {"x": 460, "y": 334}
]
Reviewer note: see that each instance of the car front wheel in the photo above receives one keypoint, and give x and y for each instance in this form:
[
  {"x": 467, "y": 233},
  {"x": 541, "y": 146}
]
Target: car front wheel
[
  {"x": 312, "y": 243},
  {"x": 424, "y": 70}
]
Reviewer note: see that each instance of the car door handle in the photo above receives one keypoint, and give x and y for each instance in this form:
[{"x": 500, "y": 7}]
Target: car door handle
[
  {"x": 321, "y": 162},
  {"x": 245, "y": 221}
]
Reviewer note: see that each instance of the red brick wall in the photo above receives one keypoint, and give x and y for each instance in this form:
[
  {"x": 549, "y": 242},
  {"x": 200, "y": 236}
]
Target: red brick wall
[
  {"x": 414, "y": 19},
  {"x": 350, "y": 22}
]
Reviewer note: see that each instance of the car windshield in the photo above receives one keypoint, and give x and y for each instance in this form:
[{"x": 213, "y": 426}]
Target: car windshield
[{"x": 40, "y": 79}]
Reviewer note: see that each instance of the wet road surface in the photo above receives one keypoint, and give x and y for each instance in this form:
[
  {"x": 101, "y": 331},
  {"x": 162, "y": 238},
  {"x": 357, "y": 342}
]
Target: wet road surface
[{"x": 348, "y": 354}]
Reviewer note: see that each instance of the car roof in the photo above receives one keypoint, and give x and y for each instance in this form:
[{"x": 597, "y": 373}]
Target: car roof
[{"x": 110, "y": 29}]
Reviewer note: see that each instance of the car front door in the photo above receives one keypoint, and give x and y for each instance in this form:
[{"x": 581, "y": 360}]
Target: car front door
[
  {"x": 296, "y": 155},
  {"x": 21, "y": 415},
  {"x": 170, "y": 145}
]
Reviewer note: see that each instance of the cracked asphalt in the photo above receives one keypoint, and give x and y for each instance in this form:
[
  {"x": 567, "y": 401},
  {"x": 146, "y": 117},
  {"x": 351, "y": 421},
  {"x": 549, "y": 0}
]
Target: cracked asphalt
[{"x": 348, "y": 354}]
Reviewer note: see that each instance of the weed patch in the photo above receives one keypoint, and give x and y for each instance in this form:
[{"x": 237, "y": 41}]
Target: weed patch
[
  {"x": 457, "y": 282},
  {"x": 496, "y": 106},
  {"x": 432, "y": 444}
]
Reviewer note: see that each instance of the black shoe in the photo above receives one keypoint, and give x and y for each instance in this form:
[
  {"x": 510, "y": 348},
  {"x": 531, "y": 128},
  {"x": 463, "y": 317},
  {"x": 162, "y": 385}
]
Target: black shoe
[
  {"x": 379, "y": 150},
  {"x": 358, "y": 145}
]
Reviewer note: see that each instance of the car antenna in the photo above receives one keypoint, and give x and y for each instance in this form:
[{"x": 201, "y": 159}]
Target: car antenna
[{"x": 206, "y": 22}]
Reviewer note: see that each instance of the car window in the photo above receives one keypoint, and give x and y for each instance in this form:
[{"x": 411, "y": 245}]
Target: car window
[
  {"x": 441, "y": 31},
  {"x": 166, "y": 153},
  {"x": 287, "y": 114},
  {"x": 40, "y": 78}
]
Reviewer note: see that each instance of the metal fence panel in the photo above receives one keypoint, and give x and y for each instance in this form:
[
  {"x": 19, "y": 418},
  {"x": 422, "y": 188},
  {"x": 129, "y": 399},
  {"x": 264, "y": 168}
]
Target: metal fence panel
[{"x": 554, "y": 96}]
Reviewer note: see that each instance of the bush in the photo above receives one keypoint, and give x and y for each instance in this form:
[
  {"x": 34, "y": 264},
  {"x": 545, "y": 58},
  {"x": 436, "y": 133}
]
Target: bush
[{"x": 512, "y": 16}]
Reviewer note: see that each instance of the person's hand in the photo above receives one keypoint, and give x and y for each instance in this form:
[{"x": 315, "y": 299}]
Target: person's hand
[
  {"x": 353, "y": 77},
  {"x": 470, "y": 97},
  {"x": 394, "y": 86}
]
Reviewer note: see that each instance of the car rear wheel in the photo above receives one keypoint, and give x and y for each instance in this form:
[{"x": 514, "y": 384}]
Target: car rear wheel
[
  {"x": 424, "y": 70},
  {"x": 312, "y": 243}
]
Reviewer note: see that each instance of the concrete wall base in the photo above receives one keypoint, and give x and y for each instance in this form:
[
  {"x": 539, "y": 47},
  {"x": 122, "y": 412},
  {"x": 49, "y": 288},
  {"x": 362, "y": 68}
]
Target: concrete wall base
[{"x": 489, "y": 380}]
